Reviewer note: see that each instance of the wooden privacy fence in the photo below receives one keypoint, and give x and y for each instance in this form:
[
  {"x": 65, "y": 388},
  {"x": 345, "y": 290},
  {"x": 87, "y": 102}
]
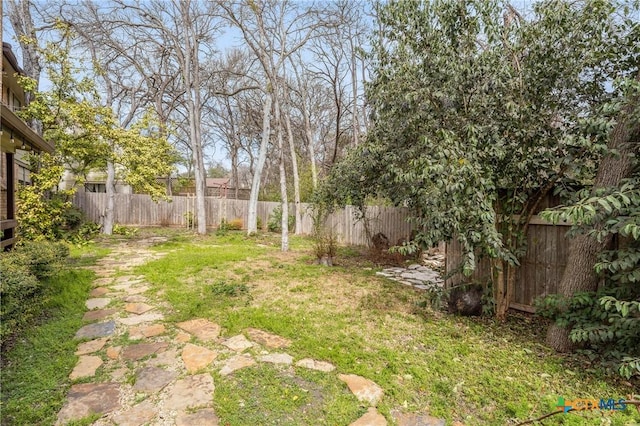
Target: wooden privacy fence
[
  {"x": 540, "y": 270},
  {"x": 141, "y": 210}
]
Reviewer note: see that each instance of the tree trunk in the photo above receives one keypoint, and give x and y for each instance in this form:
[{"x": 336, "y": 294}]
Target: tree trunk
[
  {"x": 312, "y": 150},
  {"x": 579, "y": 274},
  {"x": 109, "y": 213},
  {"x": 252, "y": 222},
  {"x": 296, "y": 176},
  {"x": 284, "y": 244}
]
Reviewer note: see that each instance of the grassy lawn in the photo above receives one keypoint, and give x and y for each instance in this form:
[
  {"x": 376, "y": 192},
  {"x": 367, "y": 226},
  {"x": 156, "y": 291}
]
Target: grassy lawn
[
  {"x": 35, "y": 369},
  {"x": 470, "y": 370},
  {"x": 474, "y": 371}
]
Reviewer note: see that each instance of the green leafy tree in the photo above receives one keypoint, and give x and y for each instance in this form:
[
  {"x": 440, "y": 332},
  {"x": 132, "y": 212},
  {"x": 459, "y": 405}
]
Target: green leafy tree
[
  {"x": 87, "y": 135},
  {"x": 478, "y": 112}
]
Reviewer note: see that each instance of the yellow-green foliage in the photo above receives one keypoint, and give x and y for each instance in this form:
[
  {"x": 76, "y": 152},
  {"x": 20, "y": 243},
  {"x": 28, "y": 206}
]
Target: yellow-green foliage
[{"x": 41, "y": 212}]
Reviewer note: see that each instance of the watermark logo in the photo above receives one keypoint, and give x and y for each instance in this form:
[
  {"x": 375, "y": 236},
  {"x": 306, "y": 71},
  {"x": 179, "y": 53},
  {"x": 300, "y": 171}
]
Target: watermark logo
[{"x": 582, "y": 404}]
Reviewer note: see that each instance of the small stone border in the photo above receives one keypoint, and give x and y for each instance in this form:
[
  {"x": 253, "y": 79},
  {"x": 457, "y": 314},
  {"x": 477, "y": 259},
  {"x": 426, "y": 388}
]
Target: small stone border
[{"x": 417, "y": 276}]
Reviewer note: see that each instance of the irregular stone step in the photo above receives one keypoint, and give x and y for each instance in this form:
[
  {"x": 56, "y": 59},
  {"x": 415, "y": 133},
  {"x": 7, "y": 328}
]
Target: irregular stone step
[
  {"x": 98, "y": 314},
  {"x": 316, "y": 365},
  {"x": 197, "y": 357},
  {"x": 97, "y": 303},
  {"x": 192, "y": 391},
  {"x": 236, "y": 363},
  {"x": 92, "y": 331},
  {"x": 91, "y": 346},
  {"x": 113, "y": 352},
  {"x": 141, "y": 350},
  {"x": 138, "y": 332},
  {"x": 138, "y": 308},
  {"x": 139, "y": 319},
  {"x": 203, "y": 329},
  {"x": 281, "y": 358},
  {"x": 136, "y": 298},
  {"x": 364, "y": 389},
  {"x": 153, "y": 379},
  {"x": 237, "y": 343},
  {"x": 86, "y": 367},
  {"x": 267, "y": 339},
  {"x": 138, "y": 415},
  {"x": 89, "y": 398},
  {"x": 371, "y": 418},
  {"x": 137, "y": 290},
  {"x": 206, "y": 417},
  {"x": 99, "y": 291},
  {"x": 413, "y": 419}
]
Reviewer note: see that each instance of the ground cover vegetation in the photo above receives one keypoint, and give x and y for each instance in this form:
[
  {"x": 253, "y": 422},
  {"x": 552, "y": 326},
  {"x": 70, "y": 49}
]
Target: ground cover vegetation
[
  {"x": 42, "y": 295},
  {"x": 479, "y": 110},
  {"x": 478, "y": 371}
]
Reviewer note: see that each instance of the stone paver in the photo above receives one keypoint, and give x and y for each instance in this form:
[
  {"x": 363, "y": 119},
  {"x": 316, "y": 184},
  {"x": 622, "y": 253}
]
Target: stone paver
[
  {"x": 183, "y": 337},
  {"x": 86, "y": 367},
  {"x": 97, "y": 303},
  {"x": 169, "y": 358},
  {"x": 92, "y": 331},
  {"x": 364, "y": 389},
  {"x": 203, "y": 329},
  {"x": 137, "y": 308},
  {"x": 371, "y": 418},
  {"x": 192, "y": 391},
  {"x": 138, "y": 332},
  {"x": 99, "y": 291},
  {"x": 267, "y": 339},
  {"x": 236, "y": 363},
  {"x": 136, "y": 290},
  {"x": 153, "y": 379},
  {"x": 91, "y": 346},
  {"x": 412, "y": 419},
  {"x": 139, "y": 415},
  {"x": 98, "y": 314},
  {"x": 197, "y": 357},
  {"x": 277, "y": 359},
  {"x": 316, "y": 365},
  {"x": 113, "y": 352},
  {"x": 102, "y": 281},
  {"x": 206, "y": 417},
  {"x": 136, "y": 298},
  {"x": 237, "y": 343},
  {"x": 139, "y": 319},
  {"x": 140, "y": 350},
  {"x": 89, "y": 398}
]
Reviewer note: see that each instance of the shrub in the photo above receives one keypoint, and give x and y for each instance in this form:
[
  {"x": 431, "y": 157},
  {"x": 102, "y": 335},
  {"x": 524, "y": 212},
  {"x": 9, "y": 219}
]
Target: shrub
[
  {"x": 41, "y": 259},
  {"x": 226, "y": 226},
  {"x": 21, "y": 283},
  {"x": 127, "y": 231},
  {"x": 275, "y": 220},
  {"x": 236, "y": 224}
]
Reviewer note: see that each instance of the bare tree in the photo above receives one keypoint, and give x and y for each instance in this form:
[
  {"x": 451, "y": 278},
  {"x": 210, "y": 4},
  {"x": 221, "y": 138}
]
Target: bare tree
[{"x": 273, "y": 30}]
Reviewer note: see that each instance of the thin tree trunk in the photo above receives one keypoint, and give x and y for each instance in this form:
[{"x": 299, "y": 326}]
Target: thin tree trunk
[
  {"x": 284, "y": 244},
  {"x": 579, "y": 274},
  {"x": 109, "y": 213},
  {"x": 296, "y": 176},
  {"x": 312, "y": 150},
  {"x": 354, "y": 88},
  {"x": 252, "y": 225}
]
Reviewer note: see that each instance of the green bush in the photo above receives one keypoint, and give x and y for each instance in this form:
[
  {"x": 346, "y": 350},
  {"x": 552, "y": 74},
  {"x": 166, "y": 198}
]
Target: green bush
[
  {"x": 21, "y": 283},
  {"x": 41, "y": 259},
  {"x": 275, "y": 220}
]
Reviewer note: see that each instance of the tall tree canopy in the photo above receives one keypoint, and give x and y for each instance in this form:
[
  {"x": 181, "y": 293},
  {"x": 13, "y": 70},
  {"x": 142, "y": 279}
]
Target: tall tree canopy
[{"x": 479, "y": 110}]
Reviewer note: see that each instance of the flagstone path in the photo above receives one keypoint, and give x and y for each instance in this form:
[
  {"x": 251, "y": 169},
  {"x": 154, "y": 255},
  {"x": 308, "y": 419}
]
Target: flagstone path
[{"x": 135, "y": 369}]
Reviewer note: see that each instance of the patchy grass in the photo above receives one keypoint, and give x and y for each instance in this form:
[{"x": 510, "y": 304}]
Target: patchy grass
[
  {"x": 35, "y": 371},
  {"x": 471, "y": 370}
]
